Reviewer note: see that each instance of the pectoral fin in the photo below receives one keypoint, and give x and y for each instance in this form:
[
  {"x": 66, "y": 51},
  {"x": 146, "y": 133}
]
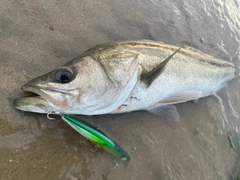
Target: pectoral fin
[
  {"x": 152, "y": 75},
  {"x": 168, "y": 111}
]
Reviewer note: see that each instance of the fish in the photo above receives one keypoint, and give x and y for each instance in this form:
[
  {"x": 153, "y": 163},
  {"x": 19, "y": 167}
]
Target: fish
[
  {"x": 96, "y": 136},
  {"x": 125, "y": 76}
]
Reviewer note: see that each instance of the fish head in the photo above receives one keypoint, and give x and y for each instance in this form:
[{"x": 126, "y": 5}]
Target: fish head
[
  {"x": 54, "y": 91},
  {"x": 82, "y": 86}
]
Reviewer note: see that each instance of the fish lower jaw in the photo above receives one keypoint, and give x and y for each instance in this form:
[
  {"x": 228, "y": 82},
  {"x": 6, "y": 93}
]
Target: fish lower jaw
[{"x": 31, "y": 104}]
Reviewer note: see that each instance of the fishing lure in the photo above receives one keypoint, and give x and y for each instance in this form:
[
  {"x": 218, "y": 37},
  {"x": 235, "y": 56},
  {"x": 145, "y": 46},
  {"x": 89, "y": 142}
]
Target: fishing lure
[{"x": 96, "y": 136}]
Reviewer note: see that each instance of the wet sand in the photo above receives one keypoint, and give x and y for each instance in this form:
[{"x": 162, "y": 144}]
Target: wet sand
[{"x": 37, "y": 37}]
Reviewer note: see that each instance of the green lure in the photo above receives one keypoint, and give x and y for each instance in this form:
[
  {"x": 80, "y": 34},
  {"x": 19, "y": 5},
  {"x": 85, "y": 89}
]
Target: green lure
[{"x": 96, "y": 136}]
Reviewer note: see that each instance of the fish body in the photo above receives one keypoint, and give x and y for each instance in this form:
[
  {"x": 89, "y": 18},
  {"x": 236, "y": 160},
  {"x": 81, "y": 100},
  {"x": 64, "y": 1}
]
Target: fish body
[{"x": 120, "y": 77}]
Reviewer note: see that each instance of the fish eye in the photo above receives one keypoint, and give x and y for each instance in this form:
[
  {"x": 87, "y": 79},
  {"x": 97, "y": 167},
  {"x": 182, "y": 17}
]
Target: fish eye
[{"x": 64, "y": 75}]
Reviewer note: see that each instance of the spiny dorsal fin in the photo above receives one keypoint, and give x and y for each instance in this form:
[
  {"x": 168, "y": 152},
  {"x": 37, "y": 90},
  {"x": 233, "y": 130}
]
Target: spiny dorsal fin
[{"x": 152, "y": 75}]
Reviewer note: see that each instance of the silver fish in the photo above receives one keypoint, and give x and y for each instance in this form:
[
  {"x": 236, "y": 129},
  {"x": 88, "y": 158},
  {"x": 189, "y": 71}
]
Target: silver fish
[{"x": 126, "y": 76}]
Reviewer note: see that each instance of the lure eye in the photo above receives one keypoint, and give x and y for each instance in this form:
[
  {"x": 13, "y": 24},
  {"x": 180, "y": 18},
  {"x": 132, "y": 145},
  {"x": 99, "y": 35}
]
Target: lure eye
[{"x": 64, "y": 75}]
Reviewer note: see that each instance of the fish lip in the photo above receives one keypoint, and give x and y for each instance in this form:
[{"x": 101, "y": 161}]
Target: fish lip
[
  {"x": 26, "y": 104},
  {"x": 31, "y": 91}
]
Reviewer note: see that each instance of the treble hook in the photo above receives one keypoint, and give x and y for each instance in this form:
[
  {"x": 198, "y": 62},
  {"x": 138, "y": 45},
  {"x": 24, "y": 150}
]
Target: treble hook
[{"x": 51, "y": 112}]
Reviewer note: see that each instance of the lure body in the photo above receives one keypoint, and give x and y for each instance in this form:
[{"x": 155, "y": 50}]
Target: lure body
[{"x": 96, "y": 136}]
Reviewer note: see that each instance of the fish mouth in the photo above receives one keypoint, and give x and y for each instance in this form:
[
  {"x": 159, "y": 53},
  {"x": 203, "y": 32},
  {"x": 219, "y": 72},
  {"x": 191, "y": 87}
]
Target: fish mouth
[
  {"x": 33, "y": 100},
  {"x": 45, "y": 100},
  {"x": 32, "y": 91}
]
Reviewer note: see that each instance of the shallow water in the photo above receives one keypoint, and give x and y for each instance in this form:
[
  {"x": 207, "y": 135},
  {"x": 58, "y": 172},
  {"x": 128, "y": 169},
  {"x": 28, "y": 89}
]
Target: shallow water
[{"x": 36, "y": 37}]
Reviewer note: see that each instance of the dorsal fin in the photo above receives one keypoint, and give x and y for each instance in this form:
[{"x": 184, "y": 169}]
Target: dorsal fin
[{"x": 153, "y": 74}]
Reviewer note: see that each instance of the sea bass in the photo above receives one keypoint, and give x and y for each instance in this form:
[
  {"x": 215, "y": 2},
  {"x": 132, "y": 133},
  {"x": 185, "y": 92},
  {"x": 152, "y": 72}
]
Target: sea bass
[{"x": 126, "y": 76}]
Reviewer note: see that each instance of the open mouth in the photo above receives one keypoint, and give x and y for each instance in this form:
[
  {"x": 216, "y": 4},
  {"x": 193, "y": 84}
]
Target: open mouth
[
  {"x": 30, "y": 94},
  {"x": 32, "y": 100},
  {"x": 31, "y": 91},
  {"x": 44, "y": 100}
]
